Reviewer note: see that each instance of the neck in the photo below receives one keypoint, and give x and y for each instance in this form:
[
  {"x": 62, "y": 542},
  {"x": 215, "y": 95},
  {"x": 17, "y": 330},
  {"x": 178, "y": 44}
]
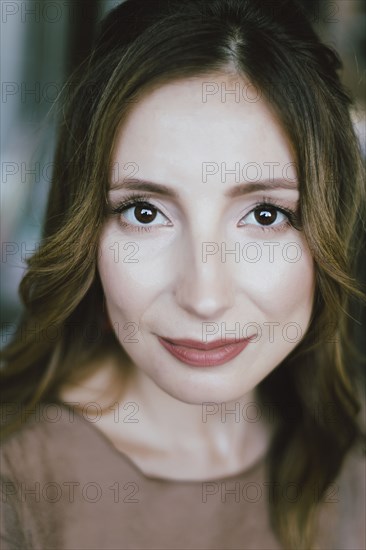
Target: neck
[
  {"x": 169, "y": 438},
  {"x": 222, "y": 435}
]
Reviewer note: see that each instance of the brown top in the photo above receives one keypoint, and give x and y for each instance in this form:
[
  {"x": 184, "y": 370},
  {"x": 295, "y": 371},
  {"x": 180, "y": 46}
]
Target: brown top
[{"x": 66, "y": 486}]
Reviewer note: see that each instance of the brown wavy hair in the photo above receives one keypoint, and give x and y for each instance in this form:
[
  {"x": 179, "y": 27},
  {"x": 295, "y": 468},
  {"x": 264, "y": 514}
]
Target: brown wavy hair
[{"x": 145, "y": 44}]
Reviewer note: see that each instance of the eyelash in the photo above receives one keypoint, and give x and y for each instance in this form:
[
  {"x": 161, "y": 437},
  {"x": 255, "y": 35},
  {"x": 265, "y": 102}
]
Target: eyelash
[
  {"x": 293, "y": 218},
  {"x": 128, "y": 202}
]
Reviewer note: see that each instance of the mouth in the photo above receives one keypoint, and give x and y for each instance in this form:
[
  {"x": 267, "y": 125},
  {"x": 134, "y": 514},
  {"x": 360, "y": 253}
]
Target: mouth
[{"x": 199, "y": 354}]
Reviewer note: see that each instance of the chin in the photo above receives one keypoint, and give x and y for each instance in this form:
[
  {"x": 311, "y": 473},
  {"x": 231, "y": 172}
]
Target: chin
[{"x": 194, "y": 392}]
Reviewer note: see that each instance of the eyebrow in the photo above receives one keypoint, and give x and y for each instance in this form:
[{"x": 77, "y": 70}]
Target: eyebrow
[{"x": 136, "y": 184}]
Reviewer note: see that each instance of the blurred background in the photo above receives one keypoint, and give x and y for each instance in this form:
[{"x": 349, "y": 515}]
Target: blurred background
[{"x": 42, "y": 42}]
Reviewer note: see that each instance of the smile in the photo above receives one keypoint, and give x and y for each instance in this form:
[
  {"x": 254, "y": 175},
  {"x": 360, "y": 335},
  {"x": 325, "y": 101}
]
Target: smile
[{"x": 198, "y": 354}]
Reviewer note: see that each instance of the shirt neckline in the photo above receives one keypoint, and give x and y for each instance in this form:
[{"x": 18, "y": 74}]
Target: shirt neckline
[{"x": 101, "y": 436}]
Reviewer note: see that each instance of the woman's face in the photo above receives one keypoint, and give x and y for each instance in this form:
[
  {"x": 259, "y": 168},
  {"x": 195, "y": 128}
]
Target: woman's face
[{"x": 200, "y": 259}]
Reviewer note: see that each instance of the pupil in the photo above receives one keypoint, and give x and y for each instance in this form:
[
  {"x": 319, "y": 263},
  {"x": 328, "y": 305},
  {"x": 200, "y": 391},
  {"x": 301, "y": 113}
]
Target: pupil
[
  {"x": 144, "y": 213},
  {"x": 266, "y": 216}
]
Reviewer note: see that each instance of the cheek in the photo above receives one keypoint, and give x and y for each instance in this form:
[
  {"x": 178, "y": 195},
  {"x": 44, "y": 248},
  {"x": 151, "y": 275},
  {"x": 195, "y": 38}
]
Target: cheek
[
  {"x": 131, "y": 276},
  {"x": 282, "y": 284}
]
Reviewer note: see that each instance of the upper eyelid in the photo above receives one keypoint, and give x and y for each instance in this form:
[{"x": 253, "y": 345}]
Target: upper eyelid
[
  {"x": 131, "y": 200},
  {"x": 285, "y": 210},
  {"x": 154, "y": 196},
  {"x": 129, "y": 203},
  {"x": 288, "y": 214},
  {"x": 139, "y": 198}
]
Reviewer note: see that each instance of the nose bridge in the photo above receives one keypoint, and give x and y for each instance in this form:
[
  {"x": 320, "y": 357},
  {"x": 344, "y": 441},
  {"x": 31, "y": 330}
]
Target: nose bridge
[{"x": 204, "y": 286}]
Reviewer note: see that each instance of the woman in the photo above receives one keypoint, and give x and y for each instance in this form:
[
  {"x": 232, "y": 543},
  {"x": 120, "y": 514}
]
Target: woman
[{"x": 183, "y": 376}]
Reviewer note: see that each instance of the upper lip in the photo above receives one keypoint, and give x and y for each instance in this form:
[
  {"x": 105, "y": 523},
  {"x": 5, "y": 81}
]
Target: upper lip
[{"x": 196, "y": 344}]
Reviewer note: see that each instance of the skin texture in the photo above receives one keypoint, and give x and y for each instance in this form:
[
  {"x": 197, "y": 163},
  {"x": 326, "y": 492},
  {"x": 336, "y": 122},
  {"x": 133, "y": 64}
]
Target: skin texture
[{"x": 170, "y": 291}]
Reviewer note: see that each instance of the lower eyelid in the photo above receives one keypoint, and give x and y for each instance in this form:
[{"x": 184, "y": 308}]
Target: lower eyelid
[
  {"x": 138, "y": 228},
  {"x": 280, "y": 227}
]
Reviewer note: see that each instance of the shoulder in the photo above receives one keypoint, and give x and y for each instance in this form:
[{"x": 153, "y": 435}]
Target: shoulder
[
  {"x": 49, "y": 434},
  {"x": 56, "y": 443},
  {"x": 43, "y": 431},
  {"x": 343, "y": 507},
  {"x": 30, "y": 460},
  {"x": 57, "y": 465},
  {"x": 352, "y": 477},
  {"x": 351, "y": 485}
]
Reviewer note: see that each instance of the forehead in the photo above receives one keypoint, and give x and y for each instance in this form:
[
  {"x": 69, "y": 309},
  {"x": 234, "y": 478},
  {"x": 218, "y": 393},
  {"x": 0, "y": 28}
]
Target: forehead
[{"x": 177, "y": 127}]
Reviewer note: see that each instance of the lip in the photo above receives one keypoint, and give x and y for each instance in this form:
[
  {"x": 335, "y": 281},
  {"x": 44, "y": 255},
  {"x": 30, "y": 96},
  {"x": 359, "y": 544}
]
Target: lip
[{"x": 199, "y": 354}]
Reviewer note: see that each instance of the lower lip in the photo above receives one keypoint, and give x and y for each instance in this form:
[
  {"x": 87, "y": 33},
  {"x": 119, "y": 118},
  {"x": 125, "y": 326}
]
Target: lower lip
[{"x": 204, "y": 358}]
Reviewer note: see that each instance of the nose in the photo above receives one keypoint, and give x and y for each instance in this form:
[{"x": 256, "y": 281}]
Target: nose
[{"x": 203, "y": 288}]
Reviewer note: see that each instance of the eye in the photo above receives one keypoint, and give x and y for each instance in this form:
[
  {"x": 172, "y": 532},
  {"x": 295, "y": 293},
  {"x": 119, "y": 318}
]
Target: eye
[
  {"x": 140, "y": 214},
  {"x": 267, "y": 215}
]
